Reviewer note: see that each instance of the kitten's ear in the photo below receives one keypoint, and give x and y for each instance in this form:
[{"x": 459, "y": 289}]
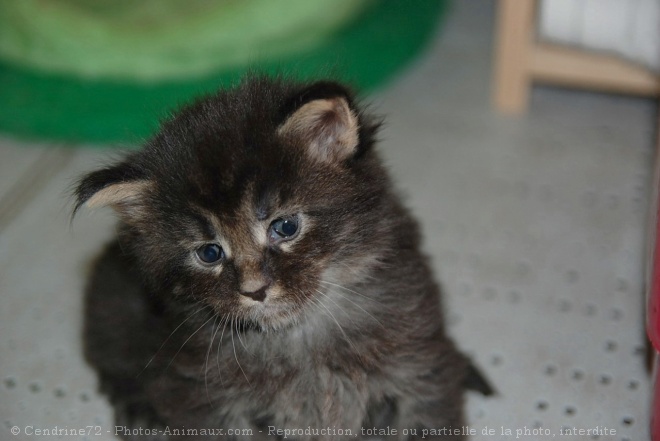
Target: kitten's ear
[
  {"x": 118, "y": 187},
  {"x": 328, "y": 127}
]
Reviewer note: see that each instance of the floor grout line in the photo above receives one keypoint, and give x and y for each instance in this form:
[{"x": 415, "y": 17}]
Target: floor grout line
[{"x": 32, "y": 181}]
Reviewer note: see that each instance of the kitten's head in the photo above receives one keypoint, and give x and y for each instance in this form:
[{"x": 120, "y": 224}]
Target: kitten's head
[{"x": 253, "y": 200}]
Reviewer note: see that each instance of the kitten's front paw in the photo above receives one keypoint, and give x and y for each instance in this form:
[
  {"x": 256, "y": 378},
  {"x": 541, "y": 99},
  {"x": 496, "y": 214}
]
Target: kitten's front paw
[
  {"x": 135, "y": 417},
  {"x": 138, "y": 421}
]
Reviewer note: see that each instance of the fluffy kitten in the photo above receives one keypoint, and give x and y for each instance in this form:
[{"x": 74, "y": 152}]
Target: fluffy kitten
[{"x": 267, "y": 277}]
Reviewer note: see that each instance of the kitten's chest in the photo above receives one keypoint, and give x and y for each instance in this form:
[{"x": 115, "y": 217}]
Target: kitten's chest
[
  {"x": 298, "y": 389},
  {"x": 291, "y": 380},
  {"x": 264, "y": 367}
]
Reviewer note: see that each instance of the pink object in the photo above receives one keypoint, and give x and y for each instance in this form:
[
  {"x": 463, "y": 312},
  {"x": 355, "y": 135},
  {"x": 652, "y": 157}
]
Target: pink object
[
  {"x": 653, "y": 295},
  {"x": 655, "y": 410},
  {"x": 653, "y": 278}
]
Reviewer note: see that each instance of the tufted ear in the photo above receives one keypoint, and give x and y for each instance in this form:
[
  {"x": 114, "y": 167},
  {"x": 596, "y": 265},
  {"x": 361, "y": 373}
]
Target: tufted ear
[
  {"x": 119, "y": 187},
  {"x": 327, "y": 127}
]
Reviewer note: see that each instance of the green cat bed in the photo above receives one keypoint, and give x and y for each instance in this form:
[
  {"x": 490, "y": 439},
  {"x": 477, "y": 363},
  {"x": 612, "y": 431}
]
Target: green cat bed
[{"x": 107, "y": 70}]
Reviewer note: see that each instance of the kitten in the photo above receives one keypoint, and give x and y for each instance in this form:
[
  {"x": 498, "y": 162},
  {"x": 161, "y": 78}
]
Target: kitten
[{"x": 267, "y": 277}]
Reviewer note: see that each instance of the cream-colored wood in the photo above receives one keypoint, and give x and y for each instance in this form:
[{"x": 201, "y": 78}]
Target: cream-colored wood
[
  {"x": 521, "y": 61},
  {"x": 576, "y": 68},
  {"x": 515, "y": 22}
]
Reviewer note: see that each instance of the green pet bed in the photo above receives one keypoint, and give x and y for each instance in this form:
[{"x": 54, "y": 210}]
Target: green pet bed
[{"x": 107, "y": 70}]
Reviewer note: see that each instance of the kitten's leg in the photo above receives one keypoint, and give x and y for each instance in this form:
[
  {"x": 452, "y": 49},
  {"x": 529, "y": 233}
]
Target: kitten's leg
[
  {"x": 119, "y": 339},
  {"x": 429, "y": 406}
]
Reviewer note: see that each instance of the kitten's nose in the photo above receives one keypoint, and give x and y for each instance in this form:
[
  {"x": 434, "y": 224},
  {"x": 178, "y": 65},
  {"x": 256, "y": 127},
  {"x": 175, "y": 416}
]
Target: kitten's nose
[{"x": 254, "y": 289}]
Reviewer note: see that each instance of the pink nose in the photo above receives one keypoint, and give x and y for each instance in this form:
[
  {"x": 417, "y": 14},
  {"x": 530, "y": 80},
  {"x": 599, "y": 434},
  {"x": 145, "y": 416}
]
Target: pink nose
[{"x": 259, "y": 295}]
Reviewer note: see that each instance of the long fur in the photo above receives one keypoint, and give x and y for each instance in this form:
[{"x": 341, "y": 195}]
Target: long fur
[{"x": 355, "y": 334}]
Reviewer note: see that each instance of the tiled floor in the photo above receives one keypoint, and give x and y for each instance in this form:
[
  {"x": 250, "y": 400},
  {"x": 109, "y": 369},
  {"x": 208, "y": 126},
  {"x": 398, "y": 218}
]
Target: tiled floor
[{"x": 535, "y": 224}]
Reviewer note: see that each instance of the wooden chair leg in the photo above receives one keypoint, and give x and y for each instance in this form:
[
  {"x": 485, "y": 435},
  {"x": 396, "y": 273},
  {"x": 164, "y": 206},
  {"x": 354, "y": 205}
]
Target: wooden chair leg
[{"x": 514, "y": 39}]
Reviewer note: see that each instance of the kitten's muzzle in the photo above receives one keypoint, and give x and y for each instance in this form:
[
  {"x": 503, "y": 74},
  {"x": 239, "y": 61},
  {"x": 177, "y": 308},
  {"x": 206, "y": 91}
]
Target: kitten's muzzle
[{"x": 259, "y": 294}]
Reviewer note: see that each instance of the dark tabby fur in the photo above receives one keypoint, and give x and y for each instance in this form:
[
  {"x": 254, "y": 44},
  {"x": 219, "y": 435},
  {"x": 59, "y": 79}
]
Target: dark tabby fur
[{"x": 339, "y": 327}]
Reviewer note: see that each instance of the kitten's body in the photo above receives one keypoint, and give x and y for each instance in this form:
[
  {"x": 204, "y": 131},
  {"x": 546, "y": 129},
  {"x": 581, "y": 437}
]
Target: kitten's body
[{"x": 348, "y": 331}]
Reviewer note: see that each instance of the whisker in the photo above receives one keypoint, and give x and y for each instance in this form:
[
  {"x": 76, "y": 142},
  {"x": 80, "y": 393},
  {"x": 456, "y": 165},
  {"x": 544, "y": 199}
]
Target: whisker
[
  {"x": 187, "y": 340},
  {"x": 168, "y": 338},
  {"x": 231, "y": 328},
  {"x": 206, "y": 363},
  {"x": 238, "y": 334},
  {"x": 354, "y": 272},
  {"x": 350, "y": 290},
  {"x": 345, "y": 297},
  {"x": 317, "y": 306},
  {"x": 217, "y": 352},
  {"x": 324, "y": 295},
  {"x": 338, "y": 325}
]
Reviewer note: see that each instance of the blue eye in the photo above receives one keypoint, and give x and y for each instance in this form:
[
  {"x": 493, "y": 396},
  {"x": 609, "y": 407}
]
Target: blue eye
[
  {"x": 283, "y": 229},
  {"x": 210, "y": 253}
]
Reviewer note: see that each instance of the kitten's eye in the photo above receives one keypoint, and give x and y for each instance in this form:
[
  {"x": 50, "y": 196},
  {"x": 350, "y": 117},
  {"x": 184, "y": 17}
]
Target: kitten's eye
[
  {"x": 210, "y": 253},
  {"x": 283, "y": 228}
]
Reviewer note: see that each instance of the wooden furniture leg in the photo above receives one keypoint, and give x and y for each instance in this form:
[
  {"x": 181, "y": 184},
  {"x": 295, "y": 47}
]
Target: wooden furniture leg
[{"x": 512, "y": 82}]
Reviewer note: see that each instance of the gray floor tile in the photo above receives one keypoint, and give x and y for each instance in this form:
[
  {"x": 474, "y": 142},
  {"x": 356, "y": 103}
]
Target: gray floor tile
[{"x": 534, "y": 224}]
